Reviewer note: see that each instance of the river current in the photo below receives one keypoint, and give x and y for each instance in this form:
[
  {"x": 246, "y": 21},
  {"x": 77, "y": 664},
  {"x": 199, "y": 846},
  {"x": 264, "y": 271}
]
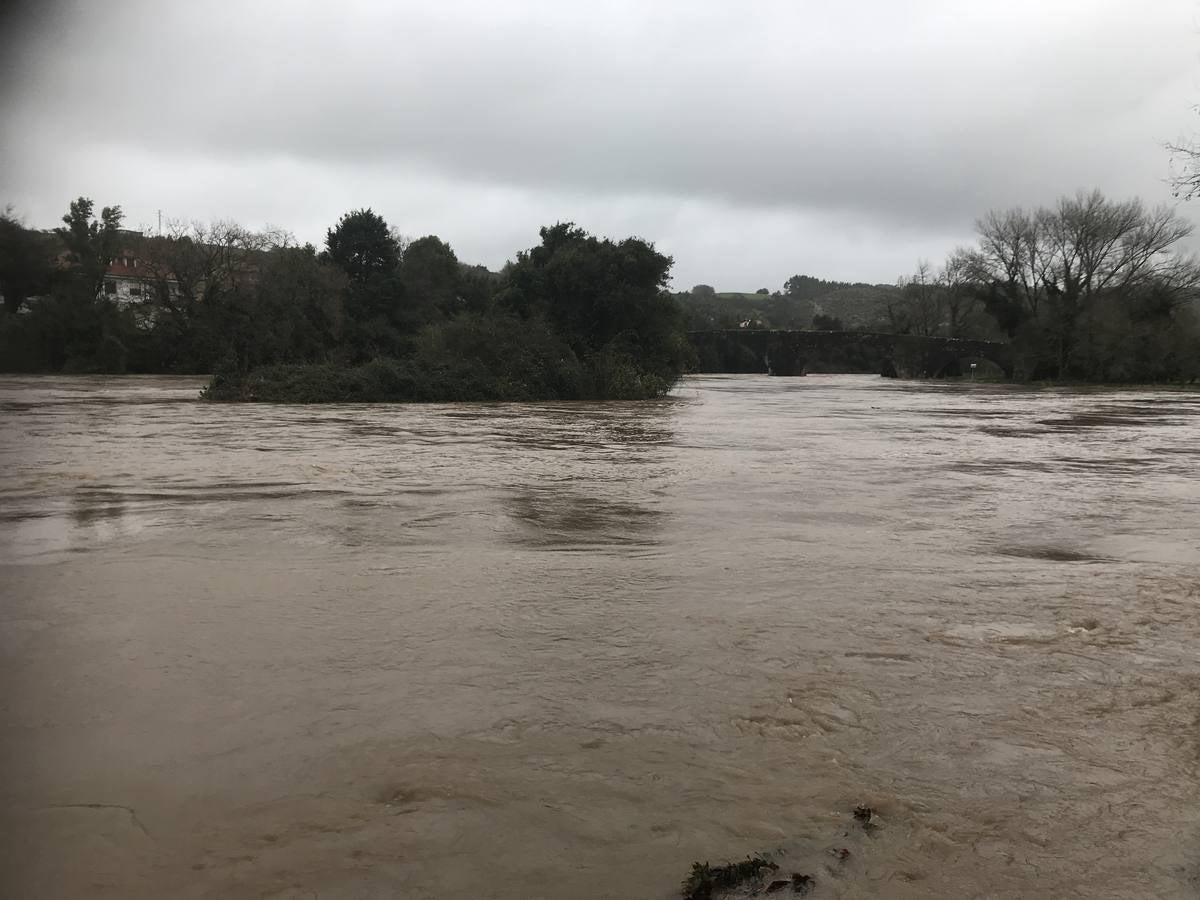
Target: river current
[{"x": 564, "y": 650}]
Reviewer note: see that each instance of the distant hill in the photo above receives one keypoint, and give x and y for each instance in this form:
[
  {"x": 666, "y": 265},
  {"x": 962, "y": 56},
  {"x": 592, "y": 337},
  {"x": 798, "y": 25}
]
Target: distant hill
[{"x": 859, "y": 306}]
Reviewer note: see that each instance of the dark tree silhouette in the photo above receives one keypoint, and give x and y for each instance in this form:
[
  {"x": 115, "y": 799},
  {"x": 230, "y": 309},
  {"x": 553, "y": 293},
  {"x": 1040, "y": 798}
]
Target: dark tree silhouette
[{"x": 362, "y": 245}]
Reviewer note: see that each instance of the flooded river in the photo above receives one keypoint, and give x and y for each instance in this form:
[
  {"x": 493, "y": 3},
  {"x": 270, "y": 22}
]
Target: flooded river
[{"x": 557, "y": 651}]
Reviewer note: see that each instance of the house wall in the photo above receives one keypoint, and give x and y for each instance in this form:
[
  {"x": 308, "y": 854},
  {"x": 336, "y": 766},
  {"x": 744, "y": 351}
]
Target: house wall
[{"x": 125, "y": 291}]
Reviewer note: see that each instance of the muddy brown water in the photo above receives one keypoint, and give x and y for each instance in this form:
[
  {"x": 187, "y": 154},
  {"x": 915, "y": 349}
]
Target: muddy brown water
[{"x": 563, "y": 650}]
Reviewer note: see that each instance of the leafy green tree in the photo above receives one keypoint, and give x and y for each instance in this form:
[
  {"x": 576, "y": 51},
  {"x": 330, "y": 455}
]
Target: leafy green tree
[
  {"x": 74, "y": 328},
  {"x": 91, "y": 244},
  {"x": 500, "y": 357},
  {"x": 805, "y": 287},
  {"x": 378, "y": 322},
  {"x": 605, "y": 298},
  {"x": 432, "y": 276},
  {"x": 26, "y": 262},
  {"x": 362, "y": 245},
  {"x": 477, "y": 287},
  {"x": 296, "y": 308}
]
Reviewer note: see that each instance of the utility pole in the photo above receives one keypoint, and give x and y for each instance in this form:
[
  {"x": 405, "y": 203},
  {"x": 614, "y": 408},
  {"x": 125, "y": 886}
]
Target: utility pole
[{"x": 160, "y": 223}]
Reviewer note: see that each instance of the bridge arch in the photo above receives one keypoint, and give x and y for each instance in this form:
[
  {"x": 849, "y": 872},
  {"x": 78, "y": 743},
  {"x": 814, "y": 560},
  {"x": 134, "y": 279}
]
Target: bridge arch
[{"x": 917, "y": 356}]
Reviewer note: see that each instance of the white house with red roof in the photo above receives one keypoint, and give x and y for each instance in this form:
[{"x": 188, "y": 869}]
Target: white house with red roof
[{"x": 131, "y": 280}]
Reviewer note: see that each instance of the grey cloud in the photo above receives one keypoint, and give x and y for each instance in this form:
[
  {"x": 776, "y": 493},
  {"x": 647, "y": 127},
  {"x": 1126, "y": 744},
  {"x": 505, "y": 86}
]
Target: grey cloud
[{"x": 862, "y": 127}]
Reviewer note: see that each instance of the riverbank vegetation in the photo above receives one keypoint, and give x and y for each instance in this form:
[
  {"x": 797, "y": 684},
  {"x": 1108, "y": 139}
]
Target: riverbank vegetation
[
  {"x": 1086, "y": 290},
  {"x": 1089, "y": 289},
  {"x": 371, "y": 316}
]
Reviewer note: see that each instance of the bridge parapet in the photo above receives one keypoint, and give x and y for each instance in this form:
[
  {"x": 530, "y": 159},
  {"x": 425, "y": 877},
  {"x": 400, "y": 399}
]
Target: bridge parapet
[{"x": 796, "y": 352}]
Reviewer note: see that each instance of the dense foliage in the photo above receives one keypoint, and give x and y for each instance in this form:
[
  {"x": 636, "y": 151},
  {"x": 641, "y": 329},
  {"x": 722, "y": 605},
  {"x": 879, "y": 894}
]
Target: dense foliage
[
  {"x": 371, "y": 317},
  {"x": 1089, "y": 289}
]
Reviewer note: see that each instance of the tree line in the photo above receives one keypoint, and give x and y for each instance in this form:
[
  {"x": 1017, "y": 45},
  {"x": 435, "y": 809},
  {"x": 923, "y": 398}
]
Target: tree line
[
  {"x": 369, "y": 316},
  {"x": 804, "y": 303},
  {"x": 1089, "y": 289}
]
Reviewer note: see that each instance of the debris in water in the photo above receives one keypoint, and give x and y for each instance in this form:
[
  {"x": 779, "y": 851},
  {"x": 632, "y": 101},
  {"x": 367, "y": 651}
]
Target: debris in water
[
  {"x": 838, "y": 852},
  {"x": 802, "y": 884},
  {"x": 866, "y": 816},
  {"x": 777, "y": 885},
  {"x": 705, "y": 878}
]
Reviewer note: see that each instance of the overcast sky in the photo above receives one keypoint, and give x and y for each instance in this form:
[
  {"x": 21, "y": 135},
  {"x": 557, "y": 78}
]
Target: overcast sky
[{"x": 750, "y": 140}]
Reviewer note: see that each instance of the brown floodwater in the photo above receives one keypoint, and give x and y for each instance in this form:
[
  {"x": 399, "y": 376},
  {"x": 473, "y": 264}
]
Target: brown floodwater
[{"x": 563, "y": 650}]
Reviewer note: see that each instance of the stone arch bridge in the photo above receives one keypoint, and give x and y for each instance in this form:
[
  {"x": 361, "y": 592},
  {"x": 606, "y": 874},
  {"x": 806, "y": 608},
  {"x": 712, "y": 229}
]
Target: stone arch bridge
[{"x": 891, "y": 355}]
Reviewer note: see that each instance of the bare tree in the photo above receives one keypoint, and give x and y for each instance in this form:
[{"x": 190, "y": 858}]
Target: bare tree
[
  {"x": 922, "y": 300},
  {"x": 195, "y": 263},
  {"x": 204, "y": 278},
  {"x": 899, "y": 316},
  {"x": 401, "y": 240},
  {"x": 1055, "y": 266},
  {"x": 955, "y": 280},
  {"x": 1185, "y": 169},
  {"x": 1010, "y": 259}
]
